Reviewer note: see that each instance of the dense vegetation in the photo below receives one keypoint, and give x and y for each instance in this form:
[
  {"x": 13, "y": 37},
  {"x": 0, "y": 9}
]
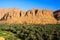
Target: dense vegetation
[{"x": 32, "y": 32}]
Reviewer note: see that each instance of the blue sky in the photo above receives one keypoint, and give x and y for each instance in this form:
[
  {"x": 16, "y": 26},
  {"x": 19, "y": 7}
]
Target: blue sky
[{"x": 29, "y": 4}]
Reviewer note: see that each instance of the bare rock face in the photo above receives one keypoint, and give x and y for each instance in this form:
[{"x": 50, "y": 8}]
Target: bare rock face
[
  {"x": 34, "y": 16},
  {"x": 48, "y": 17}
]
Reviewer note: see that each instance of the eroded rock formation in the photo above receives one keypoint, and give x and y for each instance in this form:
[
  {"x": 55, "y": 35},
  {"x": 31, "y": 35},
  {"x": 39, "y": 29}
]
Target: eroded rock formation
[
  {"x": 57, "y": 15},
  {"x": 34, "y": 16}
]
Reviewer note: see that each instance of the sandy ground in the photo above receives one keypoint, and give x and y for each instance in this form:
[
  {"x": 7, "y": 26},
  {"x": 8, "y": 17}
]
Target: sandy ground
[{"x": 2, "y": 38}]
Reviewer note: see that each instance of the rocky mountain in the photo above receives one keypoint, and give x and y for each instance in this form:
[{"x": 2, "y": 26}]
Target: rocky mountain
[{"x": 34, "y": 16}]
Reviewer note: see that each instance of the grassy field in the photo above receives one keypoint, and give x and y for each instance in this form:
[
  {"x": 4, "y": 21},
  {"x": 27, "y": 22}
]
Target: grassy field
[
  {"x": 5, "y": 33},
  {"x": 30, "y": 32},
  {"x": 8, "y": 35}
]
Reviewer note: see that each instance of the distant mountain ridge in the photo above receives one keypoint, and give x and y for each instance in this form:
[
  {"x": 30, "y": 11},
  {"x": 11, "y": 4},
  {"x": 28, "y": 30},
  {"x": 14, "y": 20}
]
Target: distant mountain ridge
[{"x": 34, "y": 16}]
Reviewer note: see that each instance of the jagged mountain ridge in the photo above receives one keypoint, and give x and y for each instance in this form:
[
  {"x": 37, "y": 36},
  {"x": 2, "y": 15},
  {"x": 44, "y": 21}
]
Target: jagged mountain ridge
[{"x": 34, "y": 16}]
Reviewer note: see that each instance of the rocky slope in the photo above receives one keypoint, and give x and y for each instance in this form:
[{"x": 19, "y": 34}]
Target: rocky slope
[{"x": 34, "y": 16}]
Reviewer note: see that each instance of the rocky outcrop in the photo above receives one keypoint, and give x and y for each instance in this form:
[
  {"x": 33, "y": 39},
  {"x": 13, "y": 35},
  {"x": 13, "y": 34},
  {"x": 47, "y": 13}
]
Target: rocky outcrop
[
  {"x": 57, "y": 15},
  {"x": 34, "y": 16}
]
